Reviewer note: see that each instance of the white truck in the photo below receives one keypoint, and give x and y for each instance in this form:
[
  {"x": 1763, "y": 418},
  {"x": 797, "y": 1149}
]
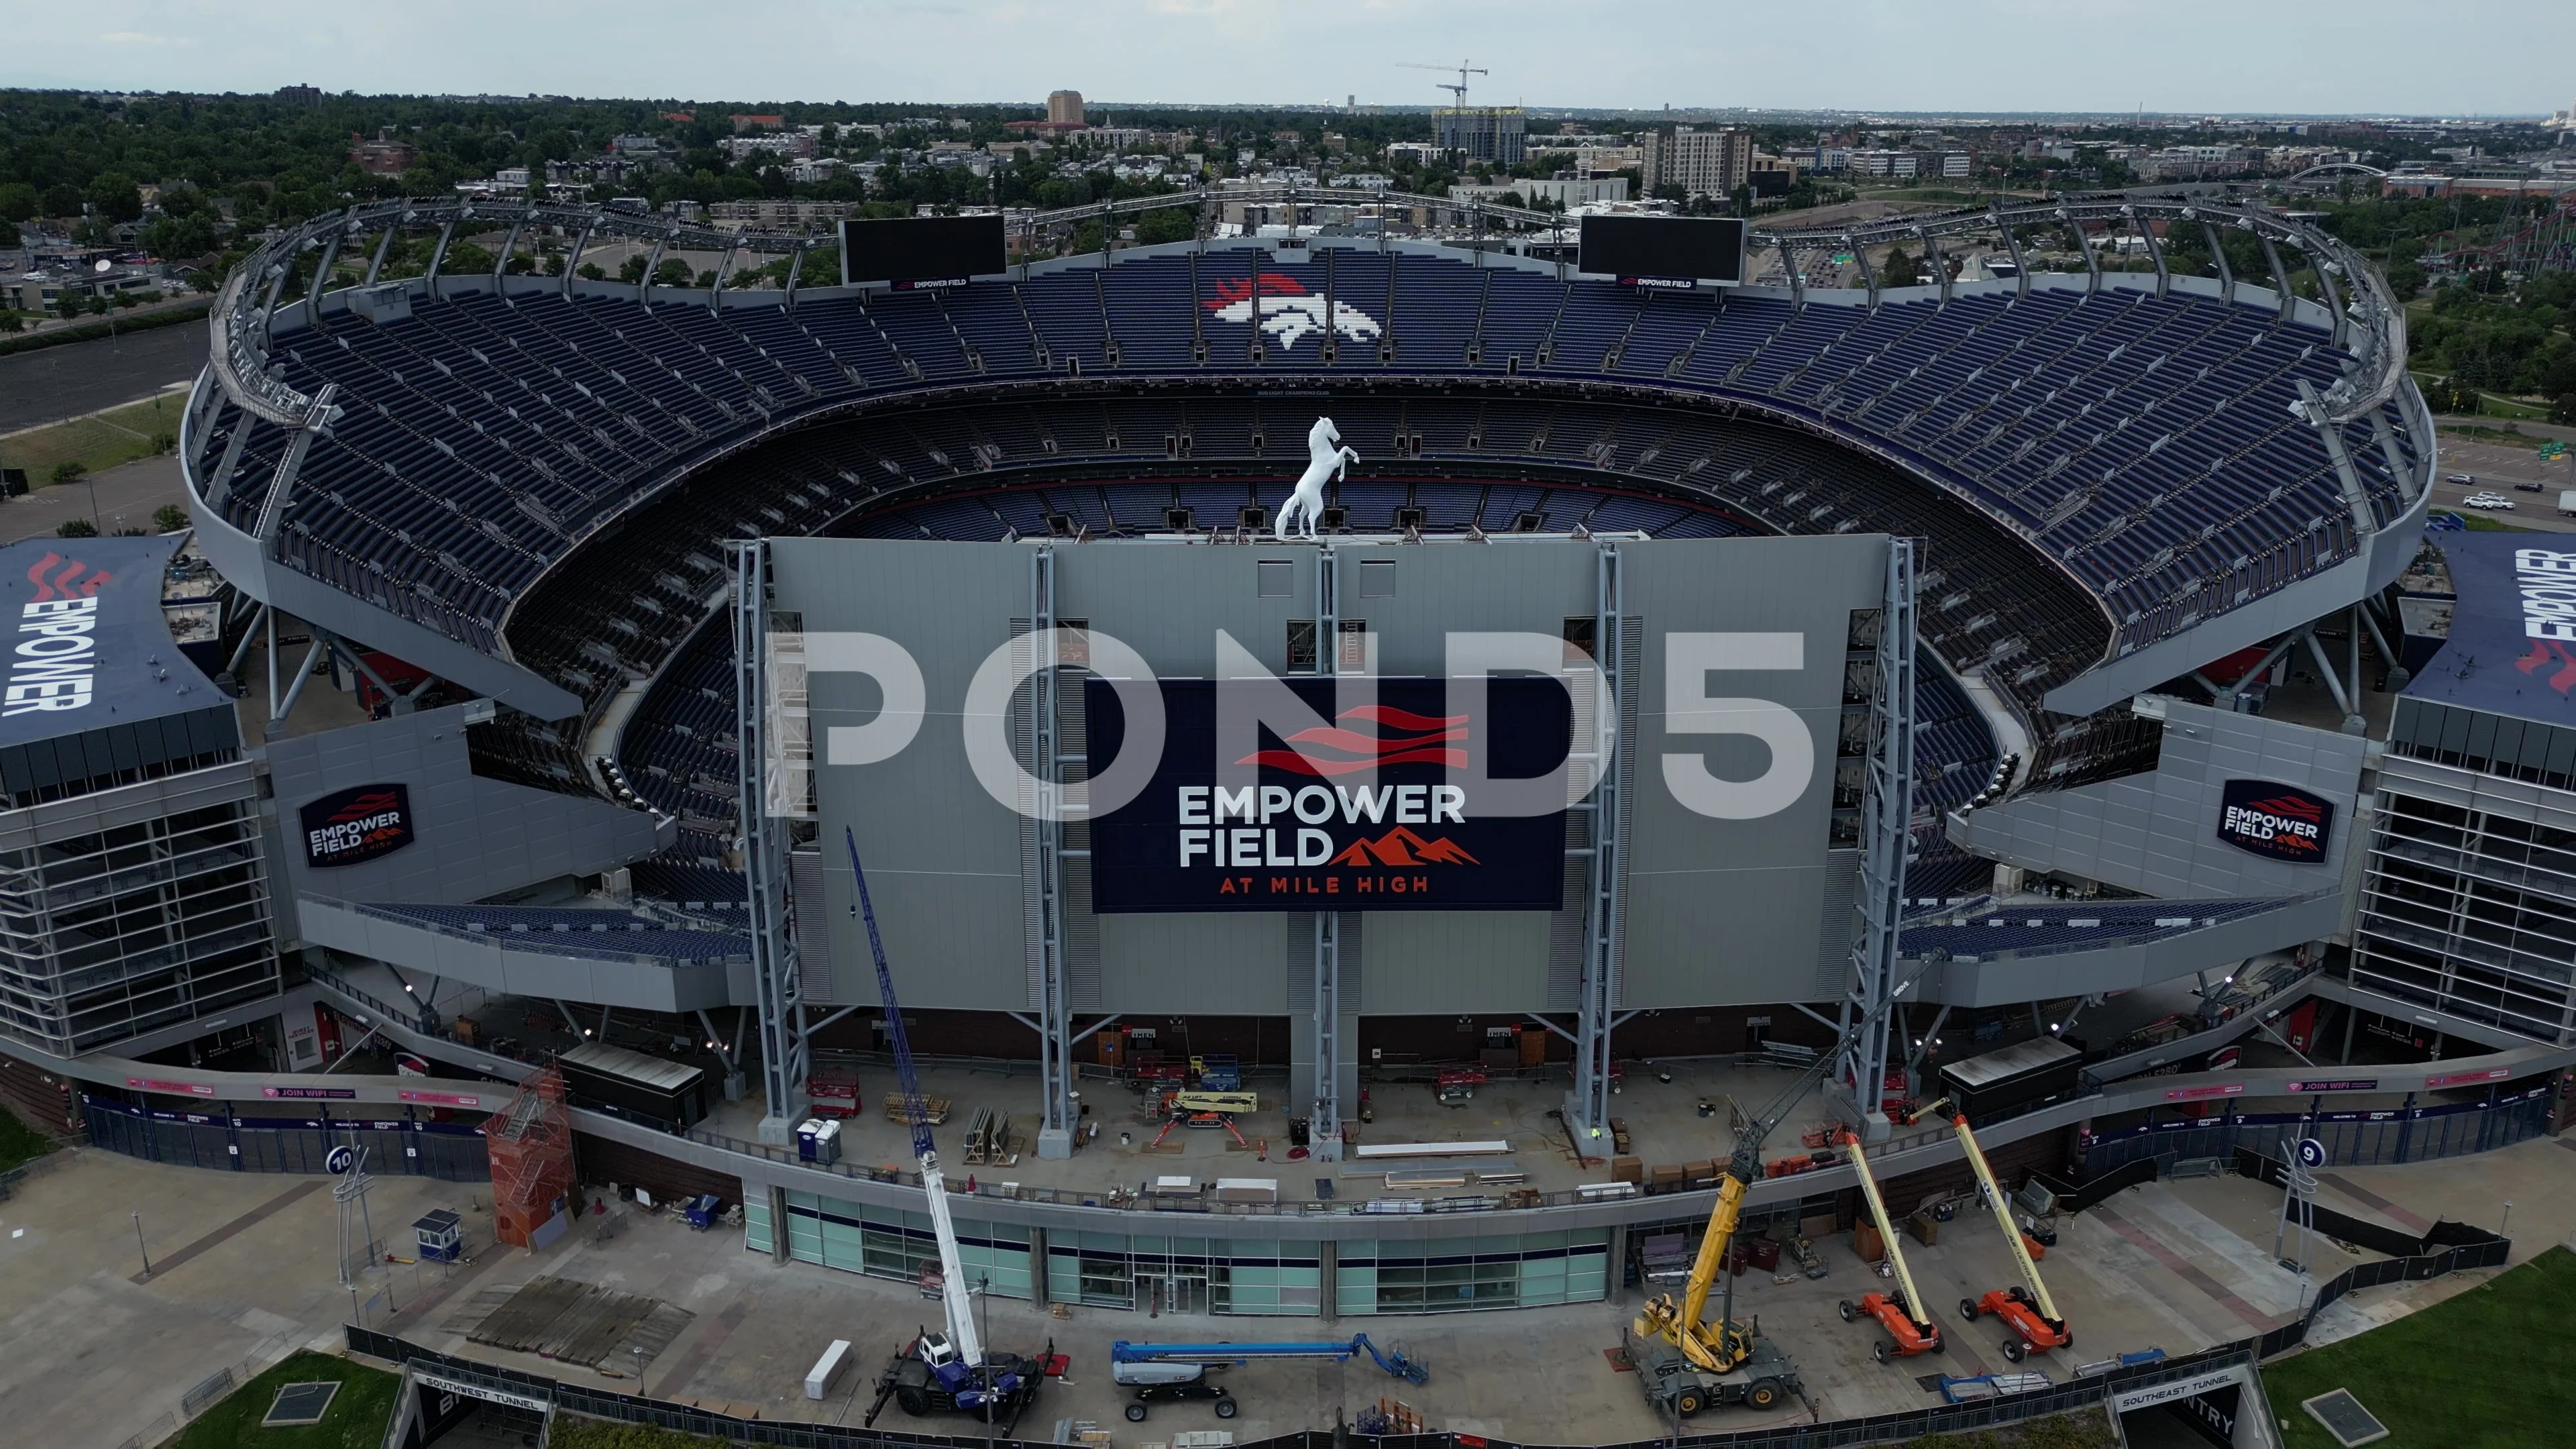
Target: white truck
[{"x": 2567, "y": 501}]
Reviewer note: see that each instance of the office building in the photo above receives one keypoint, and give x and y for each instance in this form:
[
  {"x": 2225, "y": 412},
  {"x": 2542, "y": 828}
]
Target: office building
[{"x": 1701, "y": 163}]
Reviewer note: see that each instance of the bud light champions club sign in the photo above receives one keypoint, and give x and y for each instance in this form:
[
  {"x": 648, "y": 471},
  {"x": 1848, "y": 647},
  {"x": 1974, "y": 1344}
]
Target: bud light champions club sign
[{"x": 1403, "y": 794}]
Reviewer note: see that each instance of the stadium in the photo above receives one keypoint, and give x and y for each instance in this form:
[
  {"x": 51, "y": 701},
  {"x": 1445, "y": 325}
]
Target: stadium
[{"x": 528, "y": 588}]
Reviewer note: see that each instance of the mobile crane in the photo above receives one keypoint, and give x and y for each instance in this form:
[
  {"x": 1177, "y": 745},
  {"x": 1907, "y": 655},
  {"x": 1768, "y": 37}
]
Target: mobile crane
[
  {"x": 1160, "y": 1372},
  {"x": 951, "y": 1371},
  {"x": 1910, "y": 1329},
  {"x": 1684, "y": 1364},
  {"x": 2028, "y": 1311}
]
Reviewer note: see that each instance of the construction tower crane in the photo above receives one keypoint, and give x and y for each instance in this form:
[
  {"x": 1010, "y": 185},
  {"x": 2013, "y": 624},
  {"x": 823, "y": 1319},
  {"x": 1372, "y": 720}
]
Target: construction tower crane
[
  {"x": 2028, "y": 1311},
  {"x": 1458, "y": 87},
  {"x": 950, "y": 1371},
  {"x": 1910, "y": 1329}
]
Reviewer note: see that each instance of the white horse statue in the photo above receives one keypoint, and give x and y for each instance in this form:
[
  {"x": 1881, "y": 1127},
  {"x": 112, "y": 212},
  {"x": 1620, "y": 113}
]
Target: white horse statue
[{"x": 1326, "y": 458}]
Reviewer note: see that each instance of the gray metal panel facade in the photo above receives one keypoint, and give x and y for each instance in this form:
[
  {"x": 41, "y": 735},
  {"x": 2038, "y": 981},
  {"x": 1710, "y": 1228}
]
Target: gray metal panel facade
[
  {"x": 943, "y": 857},
  {"x": 2157, "y": 833},
  {"x": 950, "y": 889},
  {"x": 473, "y": 837},
  {"x": 1726, "y": 912}
]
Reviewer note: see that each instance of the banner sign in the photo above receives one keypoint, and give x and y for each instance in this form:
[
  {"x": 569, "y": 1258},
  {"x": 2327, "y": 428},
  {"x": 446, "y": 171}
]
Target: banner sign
[
  {"x": 359, "y": 823},
  {"x": 176, "y": 1089},
  {"x": 1375, "y": 809},
  {"x": 2275, "y": 821}
]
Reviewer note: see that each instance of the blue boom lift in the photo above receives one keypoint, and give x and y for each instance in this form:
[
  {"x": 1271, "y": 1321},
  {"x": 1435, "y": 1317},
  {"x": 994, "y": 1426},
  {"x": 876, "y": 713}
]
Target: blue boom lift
[
  {"x": 952, "y": 1371},
  {"x": 1161, "y": 1372}
]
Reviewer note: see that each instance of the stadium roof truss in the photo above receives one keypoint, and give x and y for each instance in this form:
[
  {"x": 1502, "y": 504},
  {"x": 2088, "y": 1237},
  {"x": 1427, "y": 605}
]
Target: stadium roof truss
[{"x": 2367, "y": 326}]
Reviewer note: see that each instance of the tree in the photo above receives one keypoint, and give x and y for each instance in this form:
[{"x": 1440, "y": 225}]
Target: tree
[
  {"x": 1898, "y": 270},
  {"x": 76, "y": 528},
  {"x": 589, "y": 271},
  {"x": 115, "y": 197},
  {"x": 12, "y": 320},
  {"x": 69, "y": 470},
  {"x": 2405, "y": 279},
  {"x": 61, "y": 201},
  {"x": 169, "y": 518}
]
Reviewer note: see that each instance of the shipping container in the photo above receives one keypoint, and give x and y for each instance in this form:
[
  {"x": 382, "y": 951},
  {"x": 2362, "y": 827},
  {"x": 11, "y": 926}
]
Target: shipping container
[
  {"x": 2018, "y": 1077},
  {"x": 667, "y": 1094}
]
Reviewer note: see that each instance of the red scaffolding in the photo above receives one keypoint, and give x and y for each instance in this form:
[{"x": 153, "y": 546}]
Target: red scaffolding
[{"x": 532, "y": 1171}]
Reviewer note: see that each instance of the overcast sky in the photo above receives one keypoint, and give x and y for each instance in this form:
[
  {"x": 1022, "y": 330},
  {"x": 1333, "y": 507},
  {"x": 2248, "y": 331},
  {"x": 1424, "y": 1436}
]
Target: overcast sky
[{"x": 2366, "y": 56}]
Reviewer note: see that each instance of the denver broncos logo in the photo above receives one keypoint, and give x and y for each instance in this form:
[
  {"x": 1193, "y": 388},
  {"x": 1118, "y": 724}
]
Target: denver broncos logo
[{"x": 1282, "y": 307}]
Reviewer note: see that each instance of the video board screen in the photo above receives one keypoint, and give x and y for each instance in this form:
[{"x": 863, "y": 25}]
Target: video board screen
[
  {"x": 1368, "y": 813},
  {"x": 1665, "y": 249},
  {"x": 913, "y": 250}
]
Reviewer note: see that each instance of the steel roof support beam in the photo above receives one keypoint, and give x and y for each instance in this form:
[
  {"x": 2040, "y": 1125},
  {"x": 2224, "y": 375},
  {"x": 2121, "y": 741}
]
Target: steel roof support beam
[
  {"x": 2218, "y": 254},
  {"x": 1057, "y": 1121},
  {"x": 2092, "y": 263},
  {"x": 1887, "y": 812},
  {"x": 776, "y": 981},
  {"x": 2012, "y": 244},
  {"x": 1587, "y": 1108}
]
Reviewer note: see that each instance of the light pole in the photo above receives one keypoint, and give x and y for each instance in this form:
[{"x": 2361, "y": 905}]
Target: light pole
[{"x": 147, "y": 1252}]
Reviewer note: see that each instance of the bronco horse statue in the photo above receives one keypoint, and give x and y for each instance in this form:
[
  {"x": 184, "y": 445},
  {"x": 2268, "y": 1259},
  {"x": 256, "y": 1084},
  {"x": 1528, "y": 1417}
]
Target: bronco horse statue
[{"x": 1326, "y": 458}]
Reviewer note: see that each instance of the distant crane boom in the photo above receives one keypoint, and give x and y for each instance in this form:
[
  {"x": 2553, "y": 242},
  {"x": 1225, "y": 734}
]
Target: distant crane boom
[
  {"x": 916, "y": 1111},
  {"x": 1457, "y": 87}
]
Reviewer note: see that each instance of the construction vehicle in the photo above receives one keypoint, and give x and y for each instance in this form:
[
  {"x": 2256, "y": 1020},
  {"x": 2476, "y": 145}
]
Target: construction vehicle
[
  {"x": 1164, "y": 1372},
  {"x": 1685, "y": 1364},
  {"x": 939, "y": 1372},
  {"x": 2025, "y": 1307},
  {"x": 1910, "y": 1329}
]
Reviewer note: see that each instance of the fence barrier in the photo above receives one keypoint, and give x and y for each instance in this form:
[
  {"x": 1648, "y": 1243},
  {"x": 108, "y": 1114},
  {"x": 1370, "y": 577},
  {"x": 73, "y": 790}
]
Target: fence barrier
[
  {"x": 404, "y": 1146},
  {"x": 1876, "y": 1429},
  {"x": 2368, "y": 1138}
]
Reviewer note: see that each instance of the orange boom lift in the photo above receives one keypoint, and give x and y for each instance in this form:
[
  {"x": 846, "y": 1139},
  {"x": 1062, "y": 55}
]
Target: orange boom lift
[
  {"x": 1910, "y": 1329},
  {"x": 2028, "y": 1312}
]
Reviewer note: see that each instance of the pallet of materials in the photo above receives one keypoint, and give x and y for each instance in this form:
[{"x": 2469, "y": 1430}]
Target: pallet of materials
[
  {"x": 935, "y": 1108},
  {"x": 1382, "y": 1150}
]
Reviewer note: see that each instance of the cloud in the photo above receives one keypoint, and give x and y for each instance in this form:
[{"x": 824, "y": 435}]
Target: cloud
[{"x": 137, "y": 37}]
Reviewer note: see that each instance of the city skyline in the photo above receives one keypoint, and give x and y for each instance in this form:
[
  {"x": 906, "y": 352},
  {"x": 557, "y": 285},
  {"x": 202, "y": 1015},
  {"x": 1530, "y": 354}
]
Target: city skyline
[{"x": 2037, "y": 56}]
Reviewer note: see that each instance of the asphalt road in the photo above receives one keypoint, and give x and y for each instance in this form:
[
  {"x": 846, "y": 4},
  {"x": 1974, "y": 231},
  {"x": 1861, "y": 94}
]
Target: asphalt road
[
  {"x": 2497, "y": 469},
  {"x": 52, "y": 383}
]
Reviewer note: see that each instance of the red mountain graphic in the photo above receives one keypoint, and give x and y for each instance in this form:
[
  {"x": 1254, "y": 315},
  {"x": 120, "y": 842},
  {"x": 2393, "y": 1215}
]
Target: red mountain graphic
[{"x": 1402, "y": 847}]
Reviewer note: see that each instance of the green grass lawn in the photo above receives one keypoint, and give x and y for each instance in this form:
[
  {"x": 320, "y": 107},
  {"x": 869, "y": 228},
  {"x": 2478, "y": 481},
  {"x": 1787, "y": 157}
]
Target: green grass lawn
[
  {"x": 98, "y": 442},
  {"x": 2479, "y": 433},
  {"x": 2485, "y": 1369},
  {"x": 20, "y": 1142},
  {"x": 356, "y": 1419}
]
